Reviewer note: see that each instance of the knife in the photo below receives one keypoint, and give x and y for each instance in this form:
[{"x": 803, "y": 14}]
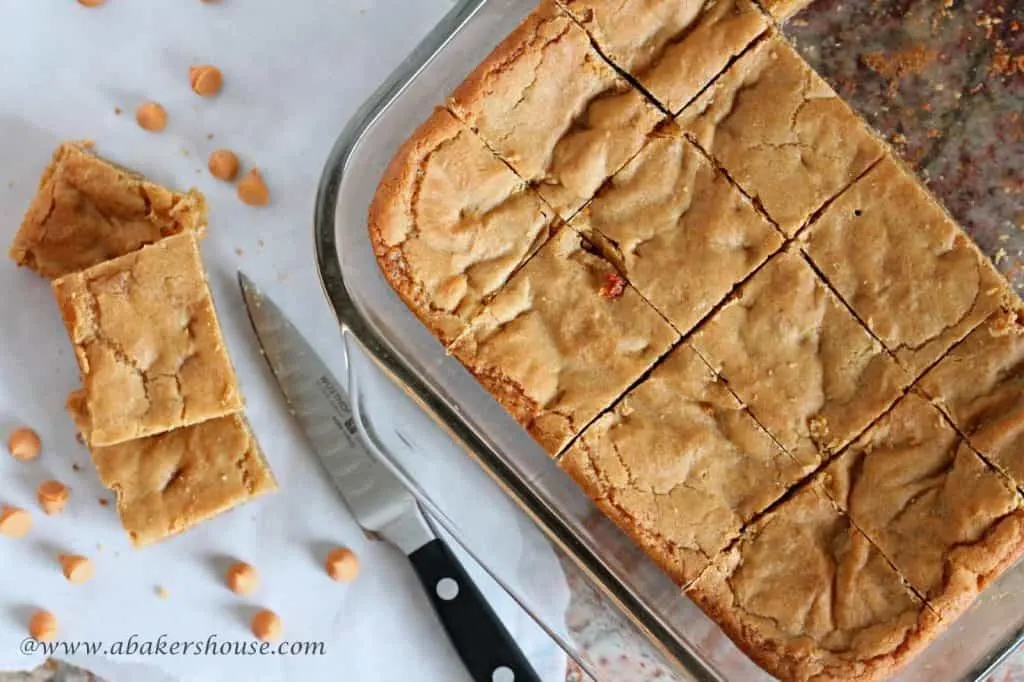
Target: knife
[{"x": 380, "y": 502}]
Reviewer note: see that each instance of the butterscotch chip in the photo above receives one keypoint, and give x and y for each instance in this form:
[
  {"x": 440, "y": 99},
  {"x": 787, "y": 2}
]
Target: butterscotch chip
[
  {"x": 223, "y": 165},
  {"x": 24, "y": 444},
  {"x": 77, "y": 569},
  {"x": 252, "y": 189},
  {"x": 342, "y": 565},
  {"x": 91, "y": 3},
  {"x": 43, "y": 626},
  {"x": 15, "y": 522},
  {"x": 151, "y": 116},
  {"x": 53, "y": 496},
  {"x": 206, "y": 80},
  {"x": 266, "y": 625},
  {"x": 242, "y": 578}
]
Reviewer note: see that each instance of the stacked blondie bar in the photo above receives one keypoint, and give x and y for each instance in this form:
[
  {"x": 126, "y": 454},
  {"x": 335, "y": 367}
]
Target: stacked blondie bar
[
  {"x": 160, "y": 405},
  {"x": 695, "y": 276}
]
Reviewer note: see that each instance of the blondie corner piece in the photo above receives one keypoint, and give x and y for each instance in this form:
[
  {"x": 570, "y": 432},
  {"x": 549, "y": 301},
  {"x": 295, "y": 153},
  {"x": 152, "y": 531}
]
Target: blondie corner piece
[
  {"x": 450, "y": 222},
  {"x": 684, "y": 235},
  {"x": 147, "y": 341},
  {"x": 88, "y": 210},
  {"x": 680, "y": 465},
  {"x": 806, "y": 368},
  {"x": 781, "y": 133},
  {"x": 547, "y": 103},
  {"x": 923, "y": 285},
  {"x": 562, "y": 340},
  {"x": 673, "y": 48},
  {"x": 948, "y": 522},
  {"x": 808, "y": 597},
  {"x": 168, "y": 483}
]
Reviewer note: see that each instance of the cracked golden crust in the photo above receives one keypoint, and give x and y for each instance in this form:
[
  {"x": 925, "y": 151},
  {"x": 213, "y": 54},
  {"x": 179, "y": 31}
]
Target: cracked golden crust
[
  {"x": 168, "y": 483},
  {"x": 781, "y": 10},
  {"x": 948, "y": 522},
  {"x": 147, "y": 342},
  {"x": 980, "y": 385},
  {"x": 553, "y": 350},
  {"x": 88, "y": 210},
  {"x": 923, "y": 285},
  {"x": 546, "y": 102},
  {"x": 808, "y": 597},
  {"x": 680, "y": 465},
  {"x": 673, "y": 48},
  {"x": 684, "y": 235},
  {"x": 808, "y": 371},
  {"x": 781, "y": 133},
  {"x": 449, "y": 223}
]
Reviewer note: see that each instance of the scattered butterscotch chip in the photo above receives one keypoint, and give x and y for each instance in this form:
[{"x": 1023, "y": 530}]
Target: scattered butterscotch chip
[
  {"x": 151, "y": 116},
  {"x": 266, "y": 625},
  {"x": 91, "y": 3},
  {"x": 77, "y": 569},
  {"x": 43, "y": 624},
  {"x": 24, "y": 443},
  {"x": 15, "y": 522},
  {"x": 242, "y": 578},
  {"x": 206, "y": 80},
  {"x": 53, "y": 496},
  {"x": 252, "y": 190},
  {"x": 162, "y": 592},
  {"x": 342, "y": 564},
  {"x": 224, "y": 165}
]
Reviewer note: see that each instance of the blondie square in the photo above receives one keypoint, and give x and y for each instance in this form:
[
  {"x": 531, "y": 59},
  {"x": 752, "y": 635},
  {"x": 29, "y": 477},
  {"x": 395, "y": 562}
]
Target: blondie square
[
  {"x": 680, "y": 465},
  {"x": 808, "y": 597},
  {"x": 781, "y": 133},
  {"x": 450, "y": 223},
  {"x": 552, "y": 109},
  {"x": 948, "y": 522},
  {"x": 88, "y": 210},
  {"x": 922, "y": 286},
  {"x": 168, "y": 483},
  {"x": 148, "y": 343},
  {"x": 682, "y": 233},
  {"x": 673, "y": 48},
  {"x": 562, "y": 340},
  {"x": 980, "y": 386},
  {"x": 793, "y": 353}
]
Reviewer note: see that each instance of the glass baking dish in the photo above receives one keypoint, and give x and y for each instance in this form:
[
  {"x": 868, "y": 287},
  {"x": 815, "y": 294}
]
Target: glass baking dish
[{"x": 635, "y": 596}]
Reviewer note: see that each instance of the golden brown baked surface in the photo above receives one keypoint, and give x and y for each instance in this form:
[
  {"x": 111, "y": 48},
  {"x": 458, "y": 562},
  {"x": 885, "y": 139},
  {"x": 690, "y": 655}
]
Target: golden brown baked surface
[
  {"x": 684, "y": 235},
  {"x": 673, "y": 48},
  {"x": 88, "y": 210},
  {"x": 147, "y": 342},
  {"x": 451, "y": 222},
  {"x": 948, "y": 522},
  {"x": 980, "y": 385},
  {"x": 680, "y": 465},
  {"x": 781, "y": 10},
  {"x": 924, "y": 285},
  {"x": 808, "y": 371},
  {"x": 808, "y": 597},
  {"x": 781, "y": 133},
  {"x": 552, "y": 109},
  {"x": 557, "y": 345}
]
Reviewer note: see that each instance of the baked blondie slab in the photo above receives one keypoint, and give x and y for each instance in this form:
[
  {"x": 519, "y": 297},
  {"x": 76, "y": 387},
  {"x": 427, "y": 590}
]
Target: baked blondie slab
[
  {"x": 681, "y": 232},
  {"x": 562, "y": 340},
  {"x": 796, "y": 356},
  {"x": 781, "y": 133},
  {"x": 672, "y": 48},
  {"x": 548, "y": 104},
  {"x": 949, "y": 523},
  {"x": 980, "y": 386},
  {"x": 450, "y": 223},
  {"x": 809, "y": 597},
  {"x": 923, "y": 285},
  {"x": 680, "y": 465},
  {"x": 147, "y": 342},
  {"x": 88, "y": 210}
]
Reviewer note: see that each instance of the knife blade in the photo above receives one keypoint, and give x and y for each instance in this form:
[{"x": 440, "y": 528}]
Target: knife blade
[{"x": 377, "y": 499}]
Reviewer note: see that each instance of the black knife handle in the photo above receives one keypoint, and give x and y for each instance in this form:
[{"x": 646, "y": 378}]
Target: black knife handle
[{"x": 480, "y": 639}]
